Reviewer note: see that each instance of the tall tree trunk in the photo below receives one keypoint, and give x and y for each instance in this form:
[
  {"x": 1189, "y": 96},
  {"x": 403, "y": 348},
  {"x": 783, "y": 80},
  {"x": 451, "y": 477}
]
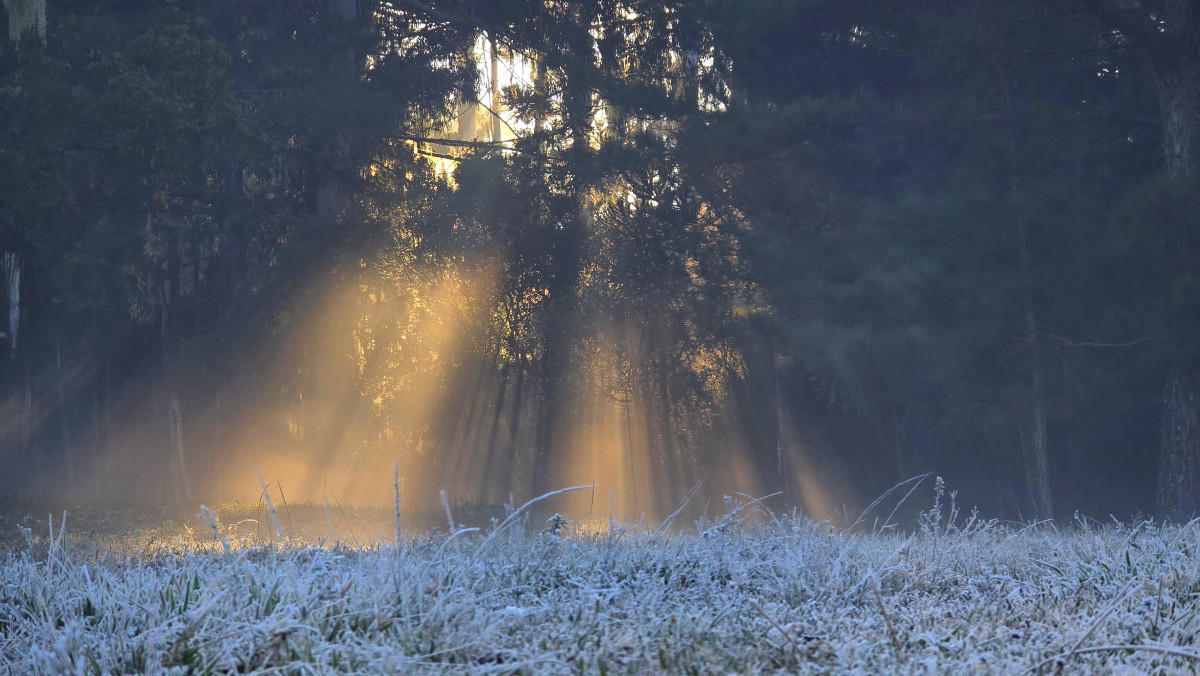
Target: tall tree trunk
[
  {"x": 497, "y": 121},
  {"x": 96, "y": 434},
  {"x": 555, "y": 392},
  {"x": 231, "y": 238},
  {"x": 12, "y": 275},
  {"x": 108, "y": 407},
  {"x": 68, "y": 450},
  {"x": 780, "y": 427},
  {"x": 26, "y": 407},
  {"x": 492, "y": 460},
  {"x": 1178, "y": 85},
  {"x": 633, "y": 492},
  {"x": 1177, "y": 82},
  {"x": 167, "y": 276},
  {"x": 514, "y": 425},
  {"x": 899, "y": 425},
  {"x": 176, "y": 416},
  {"x": 1179, "y": 448},
  {"x": 1036, "y": 463},
  {"x": 550, "y": 408},
  {"x": 12, "y": 267},
  {"x": 212, "y": 479},
  {"x": 1168, "y": 35},
  {"x": 666, "y": 416}
]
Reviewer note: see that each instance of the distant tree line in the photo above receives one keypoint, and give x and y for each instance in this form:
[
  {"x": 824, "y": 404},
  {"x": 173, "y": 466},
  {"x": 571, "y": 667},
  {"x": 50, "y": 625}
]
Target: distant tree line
[{"x": 825, "y": 238}]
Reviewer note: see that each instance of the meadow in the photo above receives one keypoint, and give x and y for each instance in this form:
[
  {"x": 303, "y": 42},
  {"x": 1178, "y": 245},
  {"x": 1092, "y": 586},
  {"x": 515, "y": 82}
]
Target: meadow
[{"x": 248, "y": 589}]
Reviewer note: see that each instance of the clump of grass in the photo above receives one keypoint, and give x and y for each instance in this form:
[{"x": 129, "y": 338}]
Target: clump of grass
[
  {"x": 270, "y": 504},
  {"x": 210, "y": 519}
]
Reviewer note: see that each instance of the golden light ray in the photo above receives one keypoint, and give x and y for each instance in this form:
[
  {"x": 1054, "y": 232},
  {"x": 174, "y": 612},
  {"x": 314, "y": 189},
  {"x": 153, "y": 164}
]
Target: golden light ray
[
  {"x": 383, "y": 359},
  {"x": 819, "y": 486}
]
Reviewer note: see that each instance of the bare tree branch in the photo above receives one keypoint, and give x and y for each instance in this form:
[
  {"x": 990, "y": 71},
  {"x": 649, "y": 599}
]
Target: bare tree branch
[
  {"x": 476, "y": 145},
  {"x": 435, "y": 13},
  {"x": 1067, "y": 342}
]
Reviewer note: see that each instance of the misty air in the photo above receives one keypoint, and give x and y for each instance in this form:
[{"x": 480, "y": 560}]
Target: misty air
[{"x": 631, "y": 336}]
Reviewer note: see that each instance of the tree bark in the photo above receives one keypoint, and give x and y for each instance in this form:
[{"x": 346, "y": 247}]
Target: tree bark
[
  {"x": 26, "y": 407},
  {"x": 231, "y": 238},
  {"x": 176, "y": 416},
  {"x": 899, "y": 425},
  {"x": 1180, "y": 447},
  {"x": 63, "y": 422},
  {"x": 12, "y": 274},
  {"x": 780, "y": 426},
  {"x": 514, "y": 424},
  {"x": 666, "y": 415},
  {"x": 1177, "y": 79},
  {"x": 166, "y": 275},
  {"x": 550, "y": 408},
  {"x": 1036, "y": 463},
  {"x": 492, "y": 462},
  {"x": 1178, "y": 89},
  {"x": 497, "y": 121}
]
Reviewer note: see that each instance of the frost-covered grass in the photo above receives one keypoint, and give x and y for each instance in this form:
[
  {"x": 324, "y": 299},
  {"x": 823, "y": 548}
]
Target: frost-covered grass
[{"x": 748, "y": 593}]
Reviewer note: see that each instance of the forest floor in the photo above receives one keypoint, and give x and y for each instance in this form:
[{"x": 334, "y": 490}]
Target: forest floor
[
  {"x": 140, "y": 528},
  {"x": 750, "y": 592}
]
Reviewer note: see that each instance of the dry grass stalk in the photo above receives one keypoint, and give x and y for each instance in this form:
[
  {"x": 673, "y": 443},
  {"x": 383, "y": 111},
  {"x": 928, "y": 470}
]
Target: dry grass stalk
[{"x": 270, "y": 505}]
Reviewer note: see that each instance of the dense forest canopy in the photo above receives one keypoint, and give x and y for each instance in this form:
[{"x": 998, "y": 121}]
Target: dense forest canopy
[{"x": 812, "y": 247}]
